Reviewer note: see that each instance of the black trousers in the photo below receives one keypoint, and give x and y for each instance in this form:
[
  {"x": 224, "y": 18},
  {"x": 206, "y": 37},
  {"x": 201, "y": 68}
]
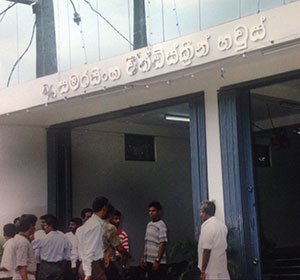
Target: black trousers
[
  {"x": 98, "y": 271},
  {"x": 112, "y": 272},
  {"x": 159, "y": 274},
  {"x": 10, "y": 278},
  {"x": 51, "y": 271},
  {"x": 71, "y": 273}
]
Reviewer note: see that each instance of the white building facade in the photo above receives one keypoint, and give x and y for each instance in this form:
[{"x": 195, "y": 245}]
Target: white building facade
[{"x": 52, "y": 128}]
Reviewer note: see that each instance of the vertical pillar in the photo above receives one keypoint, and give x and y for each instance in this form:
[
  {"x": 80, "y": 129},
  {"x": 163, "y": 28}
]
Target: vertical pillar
[
  {"x": 198, "y": 159},
  {"x": 238, "y": 179},
  {"x": 46, "y": 58},
  {"x": 139, "y": 32},
  {"x": 59, "y": 174}
]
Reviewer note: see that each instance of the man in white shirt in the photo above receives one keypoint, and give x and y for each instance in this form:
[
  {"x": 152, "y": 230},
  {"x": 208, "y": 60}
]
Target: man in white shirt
[
  {"x": 7, "y": 261},
  {"x": 71, "y": 269},
  {"x": 212, "y": 259},
  {"x": 54, "y": 249},
  {"x": 25, "y": 263},
  {"x": 38, "y": 235},
  {"x": 90, "y": 242}
]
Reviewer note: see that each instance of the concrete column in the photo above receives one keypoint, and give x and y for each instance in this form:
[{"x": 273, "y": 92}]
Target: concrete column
[
  {"x": 214, "y": 164},
  {"x": 46, "y": 58}
]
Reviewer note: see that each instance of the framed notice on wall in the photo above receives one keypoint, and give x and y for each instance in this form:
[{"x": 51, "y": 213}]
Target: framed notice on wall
[{"x": 139, "y": 147}]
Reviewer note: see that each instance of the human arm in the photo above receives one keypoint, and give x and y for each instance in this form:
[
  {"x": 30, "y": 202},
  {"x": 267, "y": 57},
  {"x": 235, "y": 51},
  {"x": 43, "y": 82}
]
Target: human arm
[
  {"x": 67, "y": 249},
  {"x": 36, "y": 243},
  {"x": 205, "y": 260},
  {"x": 125, "y": 254},
  {"x": 23, "y": 272},
  {"x": 74, "y": 252},
  {"x": 7, "y": 261},
  {"x": 161, "y": 250},
  {"x": 21, "y": 259}
]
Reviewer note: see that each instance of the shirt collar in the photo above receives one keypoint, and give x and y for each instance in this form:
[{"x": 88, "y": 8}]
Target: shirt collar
[
  {"x": 97, "y": 218},
  {"x": 209, "y": 220}
]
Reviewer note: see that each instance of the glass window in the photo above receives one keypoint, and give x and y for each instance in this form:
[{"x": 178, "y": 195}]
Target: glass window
[
  {"x": 214, "y": 12},
  {"x": 268, "y": 4}
]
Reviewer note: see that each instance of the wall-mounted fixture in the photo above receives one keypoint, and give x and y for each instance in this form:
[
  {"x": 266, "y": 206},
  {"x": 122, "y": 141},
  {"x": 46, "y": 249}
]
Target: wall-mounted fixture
[{"x": 177, "y": 118}]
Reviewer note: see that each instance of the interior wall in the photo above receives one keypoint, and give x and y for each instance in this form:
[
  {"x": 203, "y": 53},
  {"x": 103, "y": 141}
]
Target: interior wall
[
  {"x": 99, "y": 168},
  {"x": 279, "y": 193},
  {"x": 23, "y": 172}
]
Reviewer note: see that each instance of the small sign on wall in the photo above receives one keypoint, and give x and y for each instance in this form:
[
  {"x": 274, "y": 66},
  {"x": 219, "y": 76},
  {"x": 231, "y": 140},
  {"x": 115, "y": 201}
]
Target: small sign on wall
[{"x": 139, "y": 147}]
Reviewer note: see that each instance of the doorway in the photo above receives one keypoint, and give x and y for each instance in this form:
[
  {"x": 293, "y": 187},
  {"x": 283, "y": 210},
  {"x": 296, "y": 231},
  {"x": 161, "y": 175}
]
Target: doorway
[
  {"x": 276, "y": 159},
  {"x": 91, "y": 157}
]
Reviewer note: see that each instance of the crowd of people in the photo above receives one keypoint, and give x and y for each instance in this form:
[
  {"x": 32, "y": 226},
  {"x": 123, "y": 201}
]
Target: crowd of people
[{"x": 96, "y": 248}]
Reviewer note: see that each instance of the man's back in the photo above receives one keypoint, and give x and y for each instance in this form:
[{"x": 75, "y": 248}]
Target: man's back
[
  {"x": 213, "y": 237},
  {"x": 24, "y": 255},
  {"x": 7, "y": 260}
]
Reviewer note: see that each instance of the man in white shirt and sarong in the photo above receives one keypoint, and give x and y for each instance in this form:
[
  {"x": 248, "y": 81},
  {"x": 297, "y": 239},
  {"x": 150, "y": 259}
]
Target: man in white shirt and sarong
[{"x": 212, "y": 259}]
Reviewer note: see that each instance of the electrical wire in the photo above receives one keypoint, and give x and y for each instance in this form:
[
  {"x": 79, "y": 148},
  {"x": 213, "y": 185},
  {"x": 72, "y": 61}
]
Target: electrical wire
[
  {"x": 149, "y": 39},
  {"x": 9, "y": 7},
  {"x": 107, "y": 21},
  {"x": 69, "y": 36},
  {"x": 18, "y": 60},
  {"x": 176, "y": 16},
  {"x": 98, "y": 33},
  {"x": 74, "y": 8},
  {"x": 4, "y": 12},
  {"x": 82, "y": 38}
]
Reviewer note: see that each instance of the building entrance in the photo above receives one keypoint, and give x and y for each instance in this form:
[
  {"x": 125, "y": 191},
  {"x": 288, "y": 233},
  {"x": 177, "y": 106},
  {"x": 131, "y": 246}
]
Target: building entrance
[{"x": 276, "y": 160}]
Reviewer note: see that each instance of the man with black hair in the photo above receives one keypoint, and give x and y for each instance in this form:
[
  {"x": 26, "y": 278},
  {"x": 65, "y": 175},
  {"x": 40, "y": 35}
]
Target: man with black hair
[
  {"x": 123, "y": 238},
  {"x": 111, "y": 243},
  {"x": 54, "y": 249},
  {"x": 154, "y": 259},
  {"x": 7, "y": 261},
  {"x": 16, "y": 222},
  {"x": 90, "y": 242},
  {"x": 212, "y": 259},
  {"x": 71, "y": 268},
  {"x": 25, "y": 263},
  {"x": 86, "y": 213},
  {"x": 38, "y": 235}
]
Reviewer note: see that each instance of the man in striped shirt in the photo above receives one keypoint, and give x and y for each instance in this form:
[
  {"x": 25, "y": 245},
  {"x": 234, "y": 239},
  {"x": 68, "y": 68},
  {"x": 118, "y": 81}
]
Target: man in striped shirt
[{"x": 154, "y": 259}]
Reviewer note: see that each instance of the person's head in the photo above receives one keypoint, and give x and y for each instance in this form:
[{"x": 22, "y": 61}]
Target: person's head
[
  {"x": 74, "y": 224},
  {"x": 100, "y": 206},
  {"x": 86, "y": 213},
  {"x": 17, "y": 223},
  {"x": 43, "y": 221},
  {"x": 116, "y": 218},
  {"x": 9, "y": 231},
  {"x": 51, "y": 223},
  {"x": 207, "y": 209},
  {"x": 109, "y": 213},
  {"x": 154, "y": 208},
  {"x": 27, "y": 224}
]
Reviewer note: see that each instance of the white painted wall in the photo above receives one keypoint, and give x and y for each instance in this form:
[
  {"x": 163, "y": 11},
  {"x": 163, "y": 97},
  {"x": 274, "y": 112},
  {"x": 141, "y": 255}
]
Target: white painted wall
[
  {"x": 99, "y": 168},
  {"x": 23, "y": 172}
]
